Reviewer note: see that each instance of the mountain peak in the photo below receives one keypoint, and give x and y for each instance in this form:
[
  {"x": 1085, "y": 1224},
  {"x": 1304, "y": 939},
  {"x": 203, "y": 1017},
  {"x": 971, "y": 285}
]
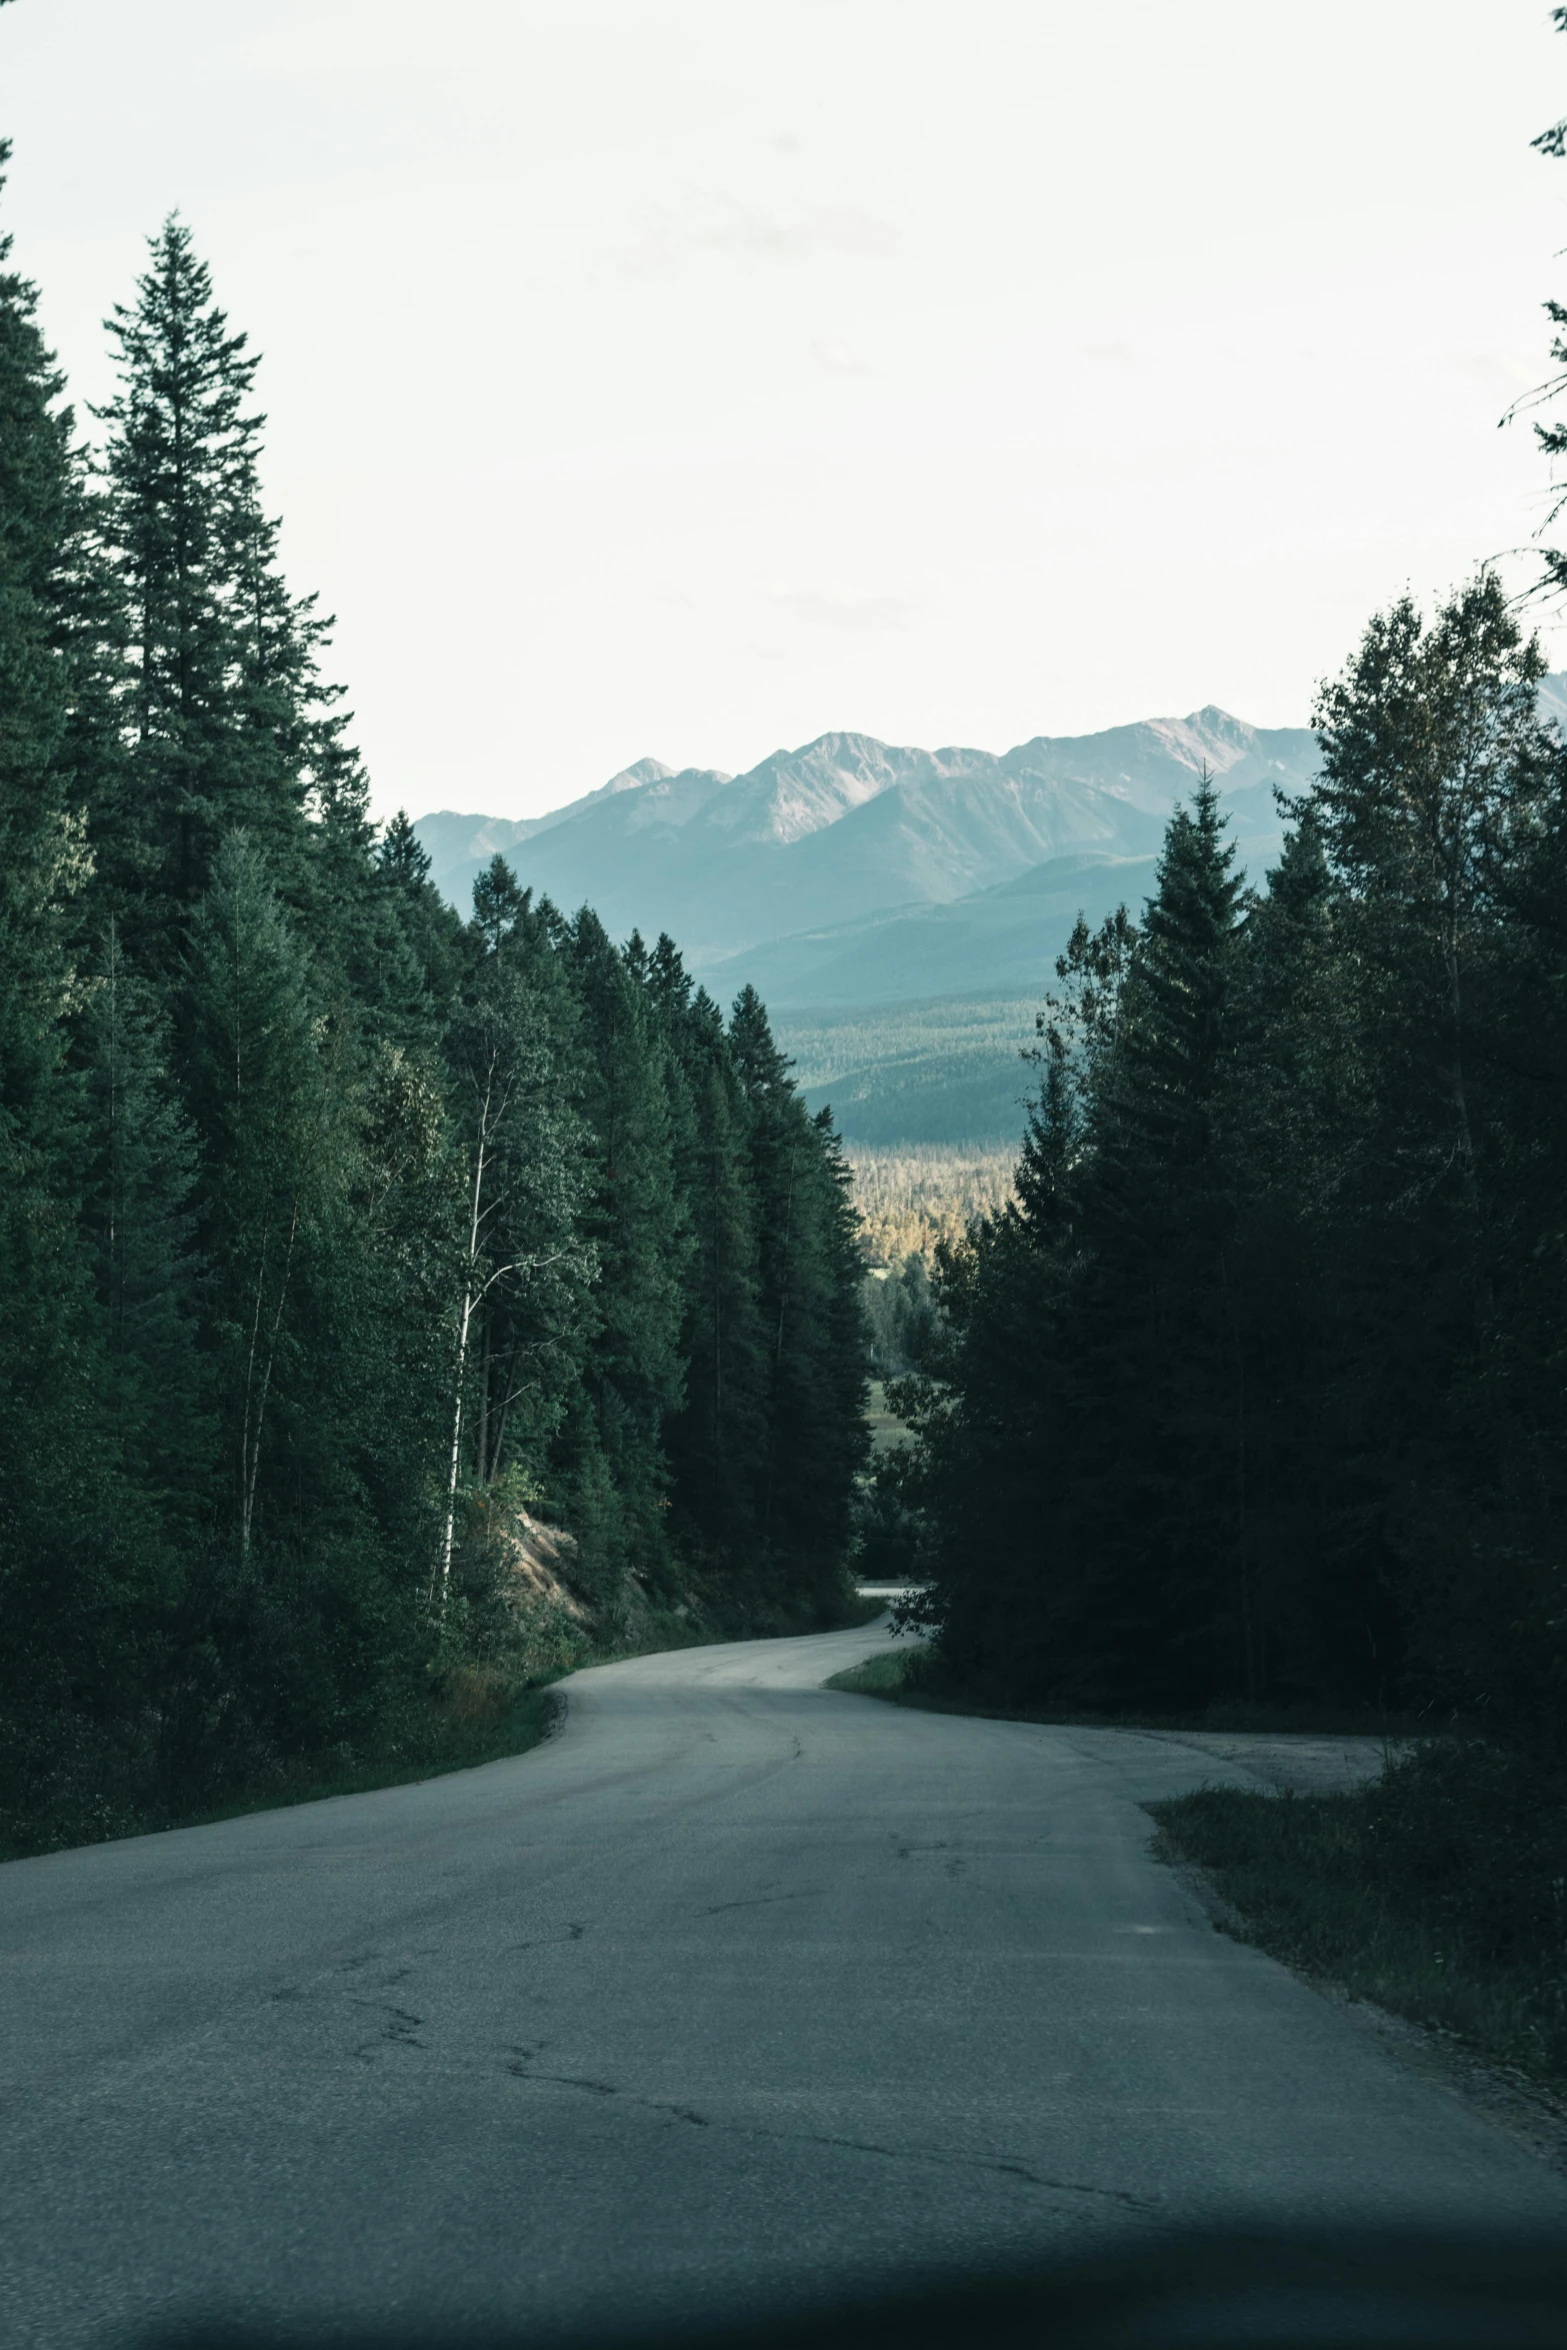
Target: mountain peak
[
  {"x": 793, "y": 793},
  {"x": 632, "y": 778},
  {"x": 845, "y": 825},
  {"x": 1208, "y": 737}
]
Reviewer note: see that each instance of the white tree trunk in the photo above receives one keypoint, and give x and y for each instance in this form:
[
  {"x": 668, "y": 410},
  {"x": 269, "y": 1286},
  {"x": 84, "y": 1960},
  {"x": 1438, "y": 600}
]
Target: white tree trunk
[{"x": 468, "y": 1300}]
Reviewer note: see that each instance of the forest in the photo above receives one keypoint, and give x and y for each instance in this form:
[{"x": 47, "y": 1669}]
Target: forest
[
  {"x": 342, "y": 1240},
  {"x": 1254, "y": 1392},
  {"x": 941, "y": 1075},
  {"x": 1247, "y": 1411}
]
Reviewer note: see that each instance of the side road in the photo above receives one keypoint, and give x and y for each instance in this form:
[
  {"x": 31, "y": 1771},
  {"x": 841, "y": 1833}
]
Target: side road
[{"x": 736, "y": 1988}]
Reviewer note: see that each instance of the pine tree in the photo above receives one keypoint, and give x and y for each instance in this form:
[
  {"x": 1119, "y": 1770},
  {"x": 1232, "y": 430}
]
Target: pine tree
[
  {"x": 813, "y": 1322},
  {"x": 266, "y": 1086},
  {"x": 42, "y": 863},
  {"x": 1091, "y": 1349},
  {"x": 228, "y": 725},
  {"x": 429, "y": 955},
  {"x": 1437, "y": 803},
  {"x": 633, "y": 1375},
  {"x": 140, "y": 1219},
  {"x": 1432, "y": 755},
  {"x": 717, "y": 1441},
  {"x": 1156, "y": 1098},
  {"x": 67, "y": 1531}
]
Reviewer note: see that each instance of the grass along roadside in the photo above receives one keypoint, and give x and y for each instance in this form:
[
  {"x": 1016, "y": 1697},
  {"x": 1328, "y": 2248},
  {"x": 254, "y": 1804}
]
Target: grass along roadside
[
  {"x": 878, "y": 1676},
  {"x": 1437, "y": 1893},
  {"x": 454, "y": 1728},
  {"x": 453, "y": 1740}
]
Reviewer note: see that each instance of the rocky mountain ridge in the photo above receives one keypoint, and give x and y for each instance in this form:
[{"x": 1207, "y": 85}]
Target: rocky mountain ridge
[{"x": 847, "y": 827}]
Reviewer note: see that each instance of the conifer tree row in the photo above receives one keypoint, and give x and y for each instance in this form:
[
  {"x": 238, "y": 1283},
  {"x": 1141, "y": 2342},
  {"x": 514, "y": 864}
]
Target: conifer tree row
[
  {"x": 335, "y": 1229},
  {"x": 1255, "y": 1393}
]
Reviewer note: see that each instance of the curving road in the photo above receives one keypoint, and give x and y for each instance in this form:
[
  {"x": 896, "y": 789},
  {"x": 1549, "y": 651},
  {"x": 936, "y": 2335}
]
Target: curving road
[{"x": 738, "y": 1987}]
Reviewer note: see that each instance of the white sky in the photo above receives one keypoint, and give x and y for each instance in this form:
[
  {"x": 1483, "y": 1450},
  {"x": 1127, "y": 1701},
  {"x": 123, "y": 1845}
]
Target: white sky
[{"x": 688, "y": 377}]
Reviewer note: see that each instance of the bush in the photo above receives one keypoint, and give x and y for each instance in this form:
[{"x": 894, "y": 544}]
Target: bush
[{"x": 1439, "y": 1892}]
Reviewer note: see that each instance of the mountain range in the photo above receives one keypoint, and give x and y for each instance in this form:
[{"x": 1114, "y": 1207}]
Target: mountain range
[
  {"x": 824, "y": 866},
  {"x": 900, "y": 910}
]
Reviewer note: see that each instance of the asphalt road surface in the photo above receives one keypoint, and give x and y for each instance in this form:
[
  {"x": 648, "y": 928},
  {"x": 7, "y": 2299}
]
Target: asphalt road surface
[{"x": 738, "y": 1988}]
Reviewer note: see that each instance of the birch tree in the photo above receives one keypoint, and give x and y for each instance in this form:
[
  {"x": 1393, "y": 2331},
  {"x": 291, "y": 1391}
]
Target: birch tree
[{"x": 525, "y": 1263}]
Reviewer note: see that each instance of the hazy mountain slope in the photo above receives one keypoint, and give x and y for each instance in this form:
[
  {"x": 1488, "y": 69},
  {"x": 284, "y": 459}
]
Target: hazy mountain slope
[
  {"x": 901, "y": 910},
  {"x": 461, "y": 846},
  {"x": 847, "y": 827},
  {"x": 1006, "y": 938},
  {"x": 795, "y": 793}
]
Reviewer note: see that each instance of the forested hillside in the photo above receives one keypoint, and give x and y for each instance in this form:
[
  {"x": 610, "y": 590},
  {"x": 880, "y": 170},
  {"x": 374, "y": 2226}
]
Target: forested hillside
[
  {"x": 1255, "y": 1392},
  {"x": 337, "y": 1233},
  {"x": 932, "y": 1075}
]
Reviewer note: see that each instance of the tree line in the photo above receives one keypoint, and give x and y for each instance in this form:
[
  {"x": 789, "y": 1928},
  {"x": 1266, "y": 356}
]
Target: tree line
[
  {"x": 333, "y": 1225},
  {"x": 1256, "y": 1391}
]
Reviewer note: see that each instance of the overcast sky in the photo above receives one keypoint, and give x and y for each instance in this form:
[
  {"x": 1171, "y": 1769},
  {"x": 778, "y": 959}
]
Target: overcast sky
[{"x": 689, "y": 377}]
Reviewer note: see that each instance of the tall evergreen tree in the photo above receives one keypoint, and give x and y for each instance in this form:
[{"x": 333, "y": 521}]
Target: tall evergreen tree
[
  {"x": 68, "y": 1537},
  {"x": 813, "y": 1323},
  {"x": 228, "y": 725},
  {"x": 1091, "y": 1349},
  {"x": 140, "y": 1220},
  {"x": 633, "y": 1374},
  {"x": 267, "y": 1089},
  {"x": 718, "y": 1439}
]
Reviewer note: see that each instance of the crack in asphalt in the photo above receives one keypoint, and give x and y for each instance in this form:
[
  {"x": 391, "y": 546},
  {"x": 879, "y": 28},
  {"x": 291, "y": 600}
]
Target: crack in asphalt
[
  {"x": 399, "y": 2029},
  {"x": 573, "y": 1933},
  {"x": 1006, "y": 2166},
  {"x": 520, "y": 2067},
  {"x": 763, "y": 1900}
]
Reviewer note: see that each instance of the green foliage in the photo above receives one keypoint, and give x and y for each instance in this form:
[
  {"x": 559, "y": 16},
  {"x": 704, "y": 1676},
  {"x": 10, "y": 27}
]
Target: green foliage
[
  {"x": 222, "y": 720},
  {"x": 890, "y": 1673},
  {"x": 887, "y": 1525},
  {"x": 717, "y": 1438},
  {"x": 812, "y": 1319},
  {"x": 901, "y": 1075},
  {"x": 634, "y": 1376},
  {"x": 1438, "y": 1892},
  {"x": 392, "y": 1310},
  {"x": 1253, "y": 1395},
  {"x": 901, "y": 1313}
]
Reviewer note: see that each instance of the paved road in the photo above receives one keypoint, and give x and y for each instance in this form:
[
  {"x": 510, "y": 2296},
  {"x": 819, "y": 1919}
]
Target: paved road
[{"x": 738, "y": 1985}]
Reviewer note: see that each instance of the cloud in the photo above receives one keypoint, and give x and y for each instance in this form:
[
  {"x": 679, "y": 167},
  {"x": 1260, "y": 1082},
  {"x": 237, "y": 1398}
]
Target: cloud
[
  {"x": 1496, "y": 371},
  {"x": 835, "y": 358},
  {"x": 832, "y": 608},
  {"x": 826, "y": 228},
  {"x": 664, "y": 243}
]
